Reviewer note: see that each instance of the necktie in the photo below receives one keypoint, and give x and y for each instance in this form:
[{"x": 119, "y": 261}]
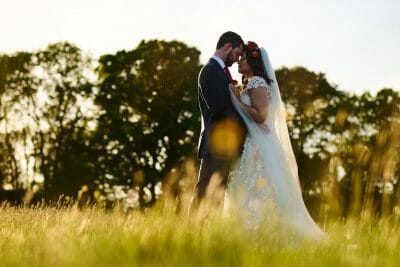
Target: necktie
[{"x": 228, "y": 74}]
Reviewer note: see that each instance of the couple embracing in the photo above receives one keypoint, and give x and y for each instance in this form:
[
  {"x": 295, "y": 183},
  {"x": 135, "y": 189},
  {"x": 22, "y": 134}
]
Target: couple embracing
[{"x": 247, "y": 162}]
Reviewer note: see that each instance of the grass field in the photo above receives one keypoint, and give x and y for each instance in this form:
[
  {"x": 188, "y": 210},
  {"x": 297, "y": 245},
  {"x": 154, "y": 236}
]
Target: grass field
[{"x": 91, "y": 237}]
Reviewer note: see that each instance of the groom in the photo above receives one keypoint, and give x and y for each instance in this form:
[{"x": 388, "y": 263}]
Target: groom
[{"x": 222, "y": 130}]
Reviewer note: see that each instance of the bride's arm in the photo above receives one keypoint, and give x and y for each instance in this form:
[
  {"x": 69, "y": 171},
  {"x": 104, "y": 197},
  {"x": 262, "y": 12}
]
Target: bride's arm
[{"x": 259, "y": 108}]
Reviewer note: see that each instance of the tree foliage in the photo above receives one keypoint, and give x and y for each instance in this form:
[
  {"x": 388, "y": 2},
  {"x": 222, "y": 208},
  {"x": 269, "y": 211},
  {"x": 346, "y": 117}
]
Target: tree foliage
[{"x": 117, "y": 127}]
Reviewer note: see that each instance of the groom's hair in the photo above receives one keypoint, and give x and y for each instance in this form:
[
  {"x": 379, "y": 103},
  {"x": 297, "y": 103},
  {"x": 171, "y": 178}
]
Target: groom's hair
[{"x": 230, "y": 37}]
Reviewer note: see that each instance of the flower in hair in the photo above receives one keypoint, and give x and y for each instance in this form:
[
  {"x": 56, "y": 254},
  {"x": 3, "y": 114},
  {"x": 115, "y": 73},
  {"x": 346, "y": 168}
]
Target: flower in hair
[{"x": 252, "y": 45}]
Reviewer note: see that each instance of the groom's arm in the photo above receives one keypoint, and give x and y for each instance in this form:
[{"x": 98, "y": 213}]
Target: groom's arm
[{"x": 212, "y": 90}]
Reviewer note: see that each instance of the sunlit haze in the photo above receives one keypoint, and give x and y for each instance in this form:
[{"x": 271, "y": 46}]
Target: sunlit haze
[{"x": 355, "y": 43}]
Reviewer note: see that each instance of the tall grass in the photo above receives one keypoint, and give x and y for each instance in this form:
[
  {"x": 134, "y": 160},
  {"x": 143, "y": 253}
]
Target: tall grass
[{"x": 90, "y": 237}]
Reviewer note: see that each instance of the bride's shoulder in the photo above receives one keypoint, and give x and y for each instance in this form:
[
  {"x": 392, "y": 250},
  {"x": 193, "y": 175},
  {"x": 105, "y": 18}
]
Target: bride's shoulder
[
  {"x": 258, "y": 78},
  {"x": 257, "y": 81}
]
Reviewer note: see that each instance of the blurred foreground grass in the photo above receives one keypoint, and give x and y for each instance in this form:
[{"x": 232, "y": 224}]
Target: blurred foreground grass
[{"x": 91, "y": 237}]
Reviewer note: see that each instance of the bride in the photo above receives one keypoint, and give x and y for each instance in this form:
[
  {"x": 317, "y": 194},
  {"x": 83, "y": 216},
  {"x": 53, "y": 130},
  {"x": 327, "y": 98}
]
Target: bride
[{"x": 265, "y": 181}]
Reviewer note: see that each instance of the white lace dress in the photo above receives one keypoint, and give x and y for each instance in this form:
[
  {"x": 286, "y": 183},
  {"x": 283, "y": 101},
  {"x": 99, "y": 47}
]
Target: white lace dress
[
  {"x": 264, "y": 186},
  {"x": 248, "y": 189}
]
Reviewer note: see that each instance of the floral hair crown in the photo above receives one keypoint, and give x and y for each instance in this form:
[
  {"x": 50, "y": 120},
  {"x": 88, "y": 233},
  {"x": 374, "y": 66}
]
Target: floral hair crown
[{"x": 252, "y": 47}]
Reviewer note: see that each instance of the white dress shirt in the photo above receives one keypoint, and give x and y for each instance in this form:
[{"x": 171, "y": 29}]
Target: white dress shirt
[{"x": 219, "y": 60}]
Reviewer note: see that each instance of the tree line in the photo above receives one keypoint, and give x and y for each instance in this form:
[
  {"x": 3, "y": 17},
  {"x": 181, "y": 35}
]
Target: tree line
[{"x": 124, "y": 127}]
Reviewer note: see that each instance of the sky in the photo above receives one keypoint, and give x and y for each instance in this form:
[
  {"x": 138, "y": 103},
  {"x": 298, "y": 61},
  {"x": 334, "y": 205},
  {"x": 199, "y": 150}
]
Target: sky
[{"x": 355, "y": 43}]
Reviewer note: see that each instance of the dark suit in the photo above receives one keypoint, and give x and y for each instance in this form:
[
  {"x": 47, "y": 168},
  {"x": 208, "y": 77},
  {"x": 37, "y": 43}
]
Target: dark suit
[{"x": 217, "y": 112}]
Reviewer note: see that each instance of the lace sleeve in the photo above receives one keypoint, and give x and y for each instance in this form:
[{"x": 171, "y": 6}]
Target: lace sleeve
[{"x": 256, "y": 82}]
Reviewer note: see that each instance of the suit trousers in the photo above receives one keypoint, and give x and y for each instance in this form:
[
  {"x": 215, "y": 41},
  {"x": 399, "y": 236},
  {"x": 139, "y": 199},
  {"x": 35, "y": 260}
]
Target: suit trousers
[{"x": 212, "y": 181}]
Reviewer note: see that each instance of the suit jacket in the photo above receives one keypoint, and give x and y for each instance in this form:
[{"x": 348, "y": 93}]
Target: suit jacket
[{"x": 215, "y": 103}]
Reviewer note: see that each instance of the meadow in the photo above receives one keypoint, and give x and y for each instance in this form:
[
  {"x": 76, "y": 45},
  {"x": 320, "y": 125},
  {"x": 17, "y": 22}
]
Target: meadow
[{"x": 47, "y": 236}]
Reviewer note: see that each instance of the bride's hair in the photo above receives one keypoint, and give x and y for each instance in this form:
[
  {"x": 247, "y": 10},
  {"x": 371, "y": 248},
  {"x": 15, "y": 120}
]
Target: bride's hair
[{"x": 254, "y": 59}]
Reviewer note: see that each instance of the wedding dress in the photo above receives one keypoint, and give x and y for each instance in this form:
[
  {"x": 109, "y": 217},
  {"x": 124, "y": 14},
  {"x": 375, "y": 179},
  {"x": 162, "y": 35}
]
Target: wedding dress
[{"x": 265, "y": 184}]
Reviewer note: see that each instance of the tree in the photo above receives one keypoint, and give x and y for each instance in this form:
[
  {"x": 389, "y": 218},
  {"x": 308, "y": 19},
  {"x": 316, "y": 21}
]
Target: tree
[
  {"x": 149, "y": 119},
  {"x": 44, "y": 102},
  {"x": 15, "y": 82}
]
